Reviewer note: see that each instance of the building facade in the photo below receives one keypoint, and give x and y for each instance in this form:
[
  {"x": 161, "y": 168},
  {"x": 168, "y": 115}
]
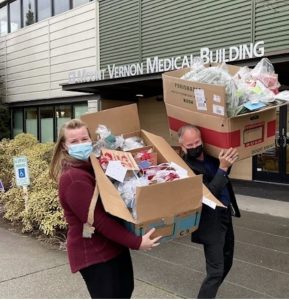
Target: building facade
[
  {"x": 41, "y": 41},
  {"x": 117, "y": 50}
]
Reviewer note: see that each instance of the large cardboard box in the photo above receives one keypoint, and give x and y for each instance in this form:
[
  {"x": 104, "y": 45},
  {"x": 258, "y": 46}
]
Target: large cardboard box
[
  {"x": 204, "y": 105},
  {"x": 195, "y": 96},
  {"x": 174, "y": 208},
  {"x": 251, "y": 133}
]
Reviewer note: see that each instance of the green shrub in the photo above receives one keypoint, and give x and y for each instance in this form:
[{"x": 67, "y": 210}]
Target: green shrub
[{"x": 42, "y": 212}]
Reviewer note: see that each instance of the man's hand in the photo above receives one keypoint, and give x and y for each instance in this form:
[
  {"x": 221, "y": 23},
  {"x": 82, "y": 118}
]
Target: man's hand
[{"x": 227, "y": 158}]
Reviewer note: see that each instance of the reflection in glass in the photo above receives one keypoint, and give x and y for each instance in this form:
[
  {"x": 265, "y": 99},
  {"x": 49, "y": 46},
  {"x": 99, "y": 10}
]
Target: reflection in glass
[
  {"x": 46, "y": 124},
  {"x": 17, "y": 122},
  {"x": 15, "y": 15},
  {"x": 60, "y": 6},
  {"x": 31, "y": 121},
  {"x": 44, "y": 9},
  {"x": 28, "y": 12},
  {"x": 269, "y": 160},
  {"x": 3, "y": 20},
  {"x": 79, "y": 2},
  {"x": 62, "y": 114},
  {"x": 80, "y": 109}
]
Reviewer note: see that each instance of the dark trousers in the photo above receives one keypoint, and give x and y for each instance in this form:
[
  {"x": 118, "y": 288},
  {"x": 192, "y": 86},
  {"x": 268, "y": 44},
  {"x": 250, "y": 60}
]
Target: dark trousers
[
  {"x": 219, "y": 260},
  {"x": 112, "y": 279}
]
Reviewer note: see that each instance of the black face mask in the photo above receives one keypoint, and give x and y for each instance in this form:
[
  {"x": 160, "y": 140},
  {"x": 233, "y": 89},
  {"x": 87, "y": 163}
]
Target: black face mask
[{"x": 195, "y": 152}]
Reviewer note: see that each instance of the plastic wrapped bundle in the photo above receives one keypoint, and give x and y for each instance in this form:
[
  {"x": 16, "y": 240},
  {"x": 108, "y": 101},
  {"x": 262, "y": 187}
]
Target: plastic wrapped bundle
[
  {"x": 133, "y": 142},
  {"x": 264, "y": 72},
  {"x": 106, "y": 140},
  {"x": 127, "y": 191}
]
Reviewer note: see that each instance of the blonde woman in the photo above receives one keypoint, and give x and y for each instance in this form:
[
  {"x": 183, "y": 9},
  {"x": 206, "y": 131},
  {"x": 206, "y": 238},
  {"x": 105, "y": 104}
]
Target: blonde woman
[{"x": 104, "y": 259}]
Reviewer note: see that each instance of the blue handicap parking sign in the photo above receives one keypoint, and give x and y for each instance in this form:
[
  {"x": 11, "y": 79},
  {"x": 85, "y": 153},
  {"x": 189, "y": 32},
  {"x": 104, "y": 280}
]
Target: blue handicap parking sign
[
  {"x": 21, "y": 170},
  {"x": 21, "y": 173}
]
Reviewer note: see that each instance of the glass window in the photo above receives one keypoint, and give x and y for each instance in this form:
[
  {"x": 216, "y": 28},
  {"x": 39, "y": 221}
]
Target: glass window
[
  {"x": 80, "y": 109},
  {"x": 43, "y": 9},
  {"x": 28, "y": 12},
  {"x": 61, "y": 6},
  {"x": 31, "y": 121},
  {"x": 46, "y": 124},
  {"x": 3, "y": 20},
  {"x": 15, "y": 15},
  {"x": 63, "y": 114},
  {"x": 79, "y": 2},
  {"x": 17, "y": 122}
]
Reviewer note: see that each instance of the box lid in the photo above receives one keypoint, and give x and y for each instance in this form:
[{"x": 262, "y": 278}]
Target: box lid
[{"x": 119, "y": 120}]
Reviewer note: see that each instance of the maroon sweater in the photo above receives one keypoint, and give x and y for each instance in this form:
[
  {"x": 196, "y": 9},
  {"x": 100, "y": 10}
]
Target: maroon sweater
[{"x": 76, "y": 188}]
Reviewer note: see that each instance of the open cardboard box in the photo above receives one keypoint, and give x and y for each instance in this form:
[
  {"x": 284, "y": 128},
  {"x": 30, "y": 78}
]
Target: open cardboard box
[{"x": 173, "y": 208}]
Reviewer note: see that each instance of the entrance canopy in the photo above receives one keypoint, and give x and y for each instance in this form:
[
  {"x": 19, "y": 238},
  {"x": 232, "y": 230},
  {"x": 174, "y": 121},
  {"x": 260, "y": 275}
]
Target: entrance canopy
[
  {"x": 151, "y": 84},
  {"x": 121, "y": 88}
]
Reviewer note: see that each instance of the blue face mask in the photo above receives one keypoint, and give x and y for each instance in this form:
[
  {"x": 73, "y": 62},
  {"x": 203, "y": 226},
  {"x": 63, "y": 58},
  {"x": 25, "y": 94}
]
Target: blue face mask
[{"x": 80, "y": 151}]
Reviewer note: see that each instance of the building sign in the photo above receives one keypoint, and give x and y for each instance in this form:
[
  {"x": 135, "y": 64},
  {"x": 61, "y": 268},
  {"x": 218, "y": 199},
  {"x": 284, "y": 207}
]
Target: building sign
[
  {"x": 21, "y": 171},
  {"x": 156, "y": 64}
]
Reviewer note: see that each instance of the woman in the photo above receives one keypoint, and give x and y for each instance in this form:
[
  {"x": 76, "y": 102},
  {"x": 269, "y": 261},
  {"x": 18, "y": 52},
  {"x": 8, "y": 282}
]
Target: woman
[{"x": 104, "y": 259}]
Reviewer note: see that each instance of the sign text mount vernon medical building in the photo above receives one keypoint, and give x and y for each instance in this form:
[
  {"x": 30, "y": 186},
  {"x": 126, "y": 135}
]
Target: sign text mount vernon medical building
[{"x": 156, "y": 64}]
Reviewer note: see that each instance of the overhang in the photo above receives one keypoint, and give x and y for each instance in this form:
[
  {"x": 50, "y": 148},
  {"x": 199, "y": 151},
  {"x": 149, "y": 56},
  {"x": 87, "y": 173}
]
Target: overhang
[
  {"x": 121, "y": 88},
  {"x": 151, "y": 84}
]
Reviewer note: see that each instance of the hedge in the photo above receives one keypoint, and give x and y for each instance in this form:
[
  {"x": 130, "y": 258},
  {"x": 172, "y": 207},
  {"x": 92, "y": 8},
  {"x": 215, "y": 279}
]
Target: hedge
[{"x": 42, "y": 214}]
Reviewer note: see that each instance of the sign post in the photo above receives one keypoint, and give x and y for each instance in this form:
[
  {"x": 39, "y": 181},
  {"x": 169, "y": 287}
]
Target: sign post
[{"x": 22, "y": 175}]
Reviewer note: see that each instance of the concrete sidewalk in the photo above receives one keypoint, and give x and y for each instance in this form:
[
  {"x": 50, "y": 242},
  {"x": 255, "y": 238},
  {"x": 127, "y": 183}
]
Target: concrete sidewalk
[{"x": 175, "y": 269}]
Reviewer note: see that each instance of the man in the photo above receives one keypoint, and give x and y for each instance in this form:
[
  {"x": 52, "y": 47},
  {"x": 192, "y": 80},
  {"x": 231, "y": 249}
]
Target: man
[{"x": 215, "y": 230}]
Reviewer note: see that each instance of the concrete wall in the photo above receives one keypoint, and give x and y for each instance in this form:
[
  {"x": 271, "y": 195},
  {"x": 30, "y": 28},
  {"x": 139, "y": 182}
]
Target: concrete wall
[{"x": 37, "y": 58}]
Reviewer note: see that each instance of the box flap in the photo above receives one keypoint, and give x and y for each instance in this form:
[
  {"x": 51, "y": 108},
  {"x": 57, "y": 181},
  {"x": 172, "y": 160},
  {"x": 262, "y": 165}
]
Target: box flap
[
  {"x": 169, "y": 154},
  {"x": 260, "y": 110},
  {"x": 174, "y": 197},
  {"x": 109, "y": 195},
  {"x": 119, "y": 120}
]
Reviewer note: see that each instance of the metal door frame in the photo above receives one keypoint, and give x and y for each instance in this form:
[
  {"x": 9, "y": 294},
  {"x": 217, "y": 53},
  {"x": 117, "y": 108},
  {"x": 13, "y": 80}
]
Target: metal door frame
[{"x": 283, "y": 141}]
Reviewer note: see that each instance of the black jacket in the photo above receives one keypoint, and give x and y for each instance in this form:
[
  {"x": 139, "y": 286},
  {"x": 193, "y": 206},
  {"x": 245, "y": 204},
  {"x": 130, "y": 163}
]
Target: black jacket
[{"x": 213, "y": 221}]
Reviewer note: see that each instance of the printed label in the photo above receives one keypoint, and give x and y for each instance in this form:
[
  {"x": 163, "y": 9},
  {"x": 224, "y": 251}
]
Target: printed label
[
  {"x": 200, "y": 99},
  {"x": 217, "y": 98},
  {"x": 218, "y": 110},
  {"x": 253, "y": 134}
]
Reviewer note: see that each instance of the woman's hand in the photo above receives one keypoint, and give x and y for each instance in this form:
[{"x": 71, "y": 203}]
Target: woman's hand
[
  {"x": 147, "y": 243},
  {"x": 227, "y": 158}
]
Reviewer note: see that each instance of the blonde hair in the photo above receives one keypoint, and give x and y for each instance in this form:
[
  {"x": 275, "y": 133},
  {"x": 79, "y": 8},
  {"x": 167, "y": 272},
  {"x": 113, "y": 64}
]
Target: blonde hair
[{"x": 60, "y": 154}]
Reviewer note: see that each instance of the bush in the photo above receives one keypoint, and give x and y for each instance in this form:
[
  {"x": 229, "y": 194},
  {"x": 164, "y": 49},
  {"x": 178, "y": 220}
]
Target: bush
[{"x": 42, "y": 213}]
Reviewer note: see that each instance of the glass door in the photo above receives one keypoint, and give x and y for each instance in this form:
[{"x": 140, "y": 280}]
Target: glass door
[{"x": 273, "y": 165}]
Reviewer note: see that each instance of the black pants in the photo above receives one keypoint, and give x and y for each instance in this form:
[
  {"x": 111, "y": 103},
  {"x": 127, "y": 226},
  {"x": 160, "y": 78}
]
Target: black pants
[
  {"x": 112, "y": 279},
  {"x": 219, "y": 260}
]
